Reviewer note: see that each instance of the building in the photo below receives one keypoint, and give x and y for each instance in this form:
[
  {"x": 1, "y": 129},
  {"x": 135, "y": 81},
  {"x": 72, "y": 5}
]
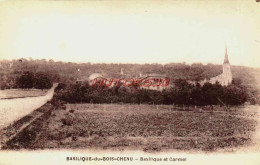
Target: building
[
  {"x": 91, "y": 78},
  {"x": 154, "y": 82},
  {"x": 226, "y": 77},
  {"x": 94, "y": 77}
]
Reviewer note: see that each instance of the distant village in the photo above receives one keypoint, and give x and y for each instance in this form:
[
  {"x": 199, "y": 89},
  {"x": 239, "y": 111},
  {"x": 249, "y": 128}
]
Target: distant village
[{"x": 156, "y": 79}]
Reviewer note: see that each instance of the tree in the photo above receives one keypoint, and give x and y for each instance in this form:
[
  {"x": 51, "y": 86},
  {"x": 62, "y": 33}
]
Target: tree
[
  {"x": 42, "y": 81},
  {"x": 234, "y": 95},
  {"x": 26, "y": 80}
]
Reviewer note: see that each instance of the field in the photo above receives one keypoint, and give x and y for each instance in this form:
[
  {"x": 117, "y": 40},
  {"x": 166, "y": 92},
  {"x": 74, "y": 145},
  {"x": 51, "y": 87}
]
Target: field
[
  {"x": 144, "y": 127},
  {"x": 19, "y": 93}
]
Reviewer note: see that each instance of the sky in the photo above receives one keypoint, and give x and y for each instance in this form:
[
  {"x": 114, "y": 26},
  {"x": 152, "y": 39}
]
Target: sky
[{"x": 132, "y": 31}]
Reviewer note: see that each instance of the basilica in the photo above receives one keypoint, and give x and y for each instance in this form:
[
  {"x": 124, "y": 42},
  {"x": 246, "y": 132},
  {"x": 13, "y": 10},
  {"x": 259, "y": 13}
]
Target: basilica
[{"x": 226, "y": 77}]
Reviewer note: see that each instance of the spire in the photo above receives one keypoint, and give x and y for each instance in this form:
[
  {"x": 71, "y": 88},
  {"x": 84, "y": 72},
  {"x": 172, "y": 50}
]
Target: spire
[{"x": 226, "y": 57}]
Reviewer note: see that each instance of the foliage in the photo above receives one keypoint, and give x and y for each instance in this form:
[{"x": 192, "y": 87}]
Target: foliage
[
  {"x": 68, "y": 73},
  {"x": 42, "y": 81},
  {"x": 182, "y": 93},
  {"x": 26, "y": 80},
  {"x": 29, "y": 80}
]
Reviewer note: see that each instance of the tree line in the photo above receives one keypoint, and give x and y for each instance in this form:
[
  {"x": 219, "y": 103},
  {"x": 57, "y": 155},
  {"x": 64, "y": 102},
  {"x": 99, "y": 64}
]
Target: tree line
[
  {"x": 28, "y": 80},
  {"x": 182, "y": 93},
  {"x": 68, "y": 73}
]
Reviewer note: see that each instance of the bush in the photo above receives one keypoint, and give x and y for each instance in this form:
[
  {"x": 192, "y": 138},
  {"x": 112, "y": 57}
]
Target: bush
[
  {"x": 26, "y": 80},
  {"x": 66, "y": 121},
  {"x": 42, "y": 81},
  {"x": 30, "y": 80},
  {"x": 71, "y": 111}
]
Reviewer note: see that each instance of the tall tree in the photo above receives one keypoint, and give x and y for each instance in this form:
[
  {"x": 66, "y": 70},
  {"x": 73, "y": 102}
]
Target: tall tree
[{"x": 26, "y": 80}]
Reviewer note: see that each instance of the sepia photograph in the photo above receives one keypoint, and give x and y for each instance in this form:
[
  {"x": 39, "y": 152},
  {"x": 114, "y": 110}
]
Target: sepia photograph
[{"x": 129, "y": 82}]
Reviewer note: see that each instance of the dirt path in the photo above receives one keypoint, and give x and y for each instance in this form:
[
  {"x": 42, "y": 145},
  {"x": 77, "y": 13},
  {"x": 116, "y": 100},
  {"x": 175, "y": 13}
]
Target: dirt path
[{"x": 14, "y": 109}]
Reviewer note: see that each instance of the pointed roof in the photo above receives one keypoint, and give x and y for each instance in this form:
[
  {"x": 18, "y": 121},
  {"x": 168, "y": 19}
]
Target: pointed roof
[{"x": 226, "y": 57}]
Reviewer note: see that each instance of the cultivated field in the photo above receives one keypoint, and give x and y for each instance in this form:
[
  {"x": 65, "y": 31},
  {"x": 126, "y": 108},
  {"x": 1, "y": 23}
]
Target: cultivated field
[
  {"x": 19, "y": 93},
  {"x": 144, "y": 127}
]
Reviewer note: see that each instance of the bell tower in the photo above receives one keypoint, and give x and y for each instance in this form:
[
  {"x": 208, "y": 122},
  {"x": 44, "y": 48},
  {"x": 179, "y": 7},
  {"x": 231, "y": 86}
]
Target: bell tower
[{"x": 227, "y": 75}]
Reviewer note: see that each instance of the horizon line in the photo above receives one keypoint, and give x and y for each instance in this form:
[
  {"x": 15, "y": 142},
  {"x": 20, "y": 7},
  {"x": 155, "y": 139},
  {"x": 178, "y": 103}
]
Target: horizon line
[{"x": 123, "y": 63}]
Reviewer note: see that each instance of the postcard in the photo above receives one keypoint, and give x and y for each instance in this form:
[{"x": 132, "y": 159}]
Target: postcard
[{"x": 130, "y": 82}]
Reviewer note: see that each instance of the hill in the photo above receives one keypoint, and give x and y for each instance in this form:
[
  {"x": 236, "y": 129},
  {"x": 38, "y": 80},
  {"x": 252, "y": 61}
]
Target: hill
[{"x": 68, "y": 72}]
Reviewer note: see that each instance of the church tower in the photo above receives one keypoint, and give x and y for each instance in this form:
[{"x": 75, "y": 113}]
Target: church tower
[{"x": 227, "y": 75}]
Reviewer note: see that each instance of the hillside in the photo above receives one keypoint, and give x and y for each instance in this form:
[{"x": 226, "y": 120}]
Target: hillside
[{"x": 69, "y": 72}]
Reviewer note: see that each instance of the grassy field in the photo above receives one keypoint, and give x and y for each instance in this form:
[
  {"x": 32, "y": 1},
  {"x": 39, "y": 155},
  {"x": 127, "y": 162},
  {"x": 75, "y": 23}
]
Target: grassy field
[
  {"x": 17, "y": 93},
  {"x": 144, "y": 127}
]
